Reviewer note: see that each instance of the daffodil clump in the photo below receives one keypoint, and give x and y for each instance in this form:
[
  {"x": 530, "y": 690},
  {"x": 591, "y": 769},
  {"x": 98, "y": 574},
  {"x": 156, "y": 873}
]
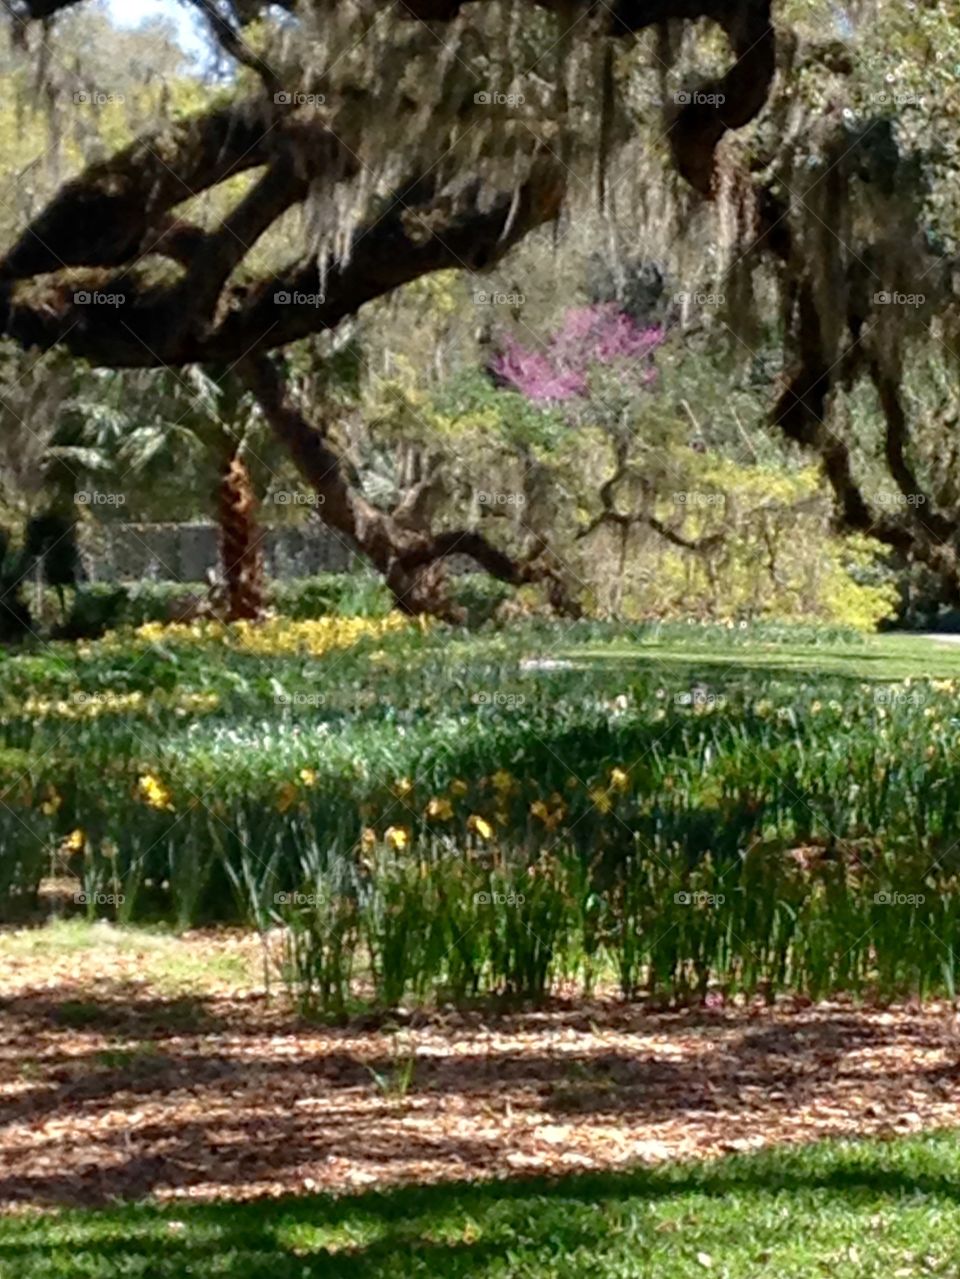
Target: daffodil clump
[
  {"x": 278, "y": 636},
  {"x": 94, "y": 705}
]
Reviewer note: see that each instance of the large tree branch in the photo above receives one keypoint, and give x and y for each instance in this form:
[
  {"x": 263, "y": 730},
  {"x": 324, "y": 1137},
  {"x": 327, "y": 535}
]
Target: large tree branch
[
  {"x": 114, "y": 210},
  {"x": 233, "y": 44},
  {"x": 158, "y": 326},
  {"x": 407, "y": 558},
  {"x": 896, "y": 436}
]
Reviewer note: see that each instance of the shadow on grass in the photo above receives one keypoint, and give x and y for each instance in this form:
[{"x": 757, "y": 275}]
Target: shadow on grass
[{"x": 460, "y": 1229}]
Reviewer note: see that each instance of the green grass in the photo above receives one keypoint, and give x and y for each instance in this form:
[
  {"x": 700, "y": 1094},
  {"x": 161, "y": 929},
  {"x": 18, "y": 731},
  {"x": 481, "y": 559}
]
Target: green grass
[
  {"x": 868, "y": 657},
  {"x": 162, "y": 959},
  {"x": 851, "y": 1210}
]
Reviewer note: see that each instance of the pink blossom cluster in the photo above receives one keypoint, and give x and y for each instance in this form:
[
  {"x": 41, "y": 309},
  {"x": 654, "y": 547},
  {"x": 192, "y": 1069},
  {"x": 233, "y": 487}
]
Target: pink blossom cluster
[{"x": 589, "y": 335}]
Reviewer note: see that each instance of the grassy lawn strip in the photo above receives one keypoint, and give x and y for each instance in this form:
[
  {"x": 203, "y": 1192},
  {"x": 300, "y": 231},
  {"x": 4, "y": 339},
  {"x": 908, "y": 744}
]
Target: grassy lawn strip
[
  {"x": 872, "y": 657},
  {"x": 851, "y": 1210}
]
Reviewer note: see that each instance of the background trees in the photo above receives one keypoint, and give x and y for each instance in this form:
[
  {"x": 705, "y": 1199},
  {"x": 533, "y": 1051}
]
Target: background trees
[{"x": 757, "y": 222}]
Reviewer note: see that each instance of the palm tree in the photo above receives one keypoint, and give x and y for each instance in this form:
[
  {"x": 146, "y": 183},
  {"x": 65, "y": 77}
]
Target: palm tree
[{"x": 202, "y": 426}]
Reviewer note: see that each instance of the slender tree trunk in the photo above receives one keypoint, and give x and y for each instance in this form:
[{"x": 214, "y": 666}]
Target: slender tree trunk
[{"x": 240, "y": 541}]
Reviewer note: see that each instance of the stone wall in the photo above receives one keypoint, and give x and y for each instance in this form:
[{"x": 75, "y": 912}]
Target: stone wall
[{"x": 187, "y": 552}]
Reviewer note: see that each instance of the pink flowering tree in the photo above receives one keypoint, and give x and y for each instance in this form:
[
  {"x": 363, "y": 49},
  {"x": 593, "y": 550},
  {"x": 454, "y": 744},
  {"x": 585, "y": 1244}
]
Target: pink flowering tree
[
  {"x": 566, "y": 367},
  {"x": 598, "y": 371}
]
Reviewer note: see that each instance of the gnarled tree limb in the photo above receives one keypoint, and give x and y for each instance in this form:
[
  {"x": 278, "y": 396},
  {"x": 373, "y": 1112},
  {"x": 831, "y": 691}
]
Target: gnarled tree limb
[{"x": 411, "y": 560}]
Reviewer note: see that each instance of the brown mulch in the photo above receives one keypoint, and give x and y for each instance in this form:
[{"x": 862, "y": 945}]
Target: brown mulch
[{"x": 111, "y": 1089}]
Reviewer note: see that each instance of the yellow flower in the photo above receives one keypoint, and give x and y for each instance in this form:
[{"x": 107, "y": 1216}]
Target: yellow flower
[
  {"x": 441, "y": 809},
  {"x": 153, "y": 792},
  {"x": 403, "y": 787},
  {"x": 397, "y": 837},
  {"x": 75, "y": 842},
  {"x": 479, "y": 826},
  {"x": 503, "y": 782},
  {"x": 601, "y": 799},
  {"x": 368, "y": 838},
  {"x": 308, "y": 776},
  {"x": 51, "y": 804},
  {"x": 539, "y": 809},
  {"x": 458, "y": 787},
  {"x": 619, "y": 780}
]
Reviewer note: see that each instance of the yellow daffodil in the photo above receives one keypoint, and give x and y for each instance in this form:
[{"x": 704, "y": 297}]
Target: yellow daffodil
[
  {"x": 440, "y": 810},
  {"x": 600, "y": 799},
  {"x": 153, "y": 792},
  {"x": 51, "y": 804},
  {"x": 75, "y": 842},
  {"x": 503, "y": 782},
  {"x": 458, "y": 787},
  {"x": 480, "y": 826},
  {"x": 619, "y": 780},
  {"x": 308, "y": 776},
  {"x": 273, "y": 637},
  {"x": 398, "y": 837},
  {"x": 368, "y": 838}
]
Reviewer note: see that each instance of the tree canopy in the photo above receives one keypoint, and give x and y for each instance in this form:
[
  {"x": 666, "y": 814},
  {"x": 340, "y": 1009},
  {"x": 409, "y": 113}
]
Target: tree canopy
[{"x": 348, "y": 150}]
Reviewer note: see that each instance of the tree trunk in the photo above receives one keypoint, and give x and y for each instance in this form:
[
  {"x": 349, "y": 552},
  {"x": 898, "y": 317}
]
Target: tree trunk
[{"x": 240, "y": 541}]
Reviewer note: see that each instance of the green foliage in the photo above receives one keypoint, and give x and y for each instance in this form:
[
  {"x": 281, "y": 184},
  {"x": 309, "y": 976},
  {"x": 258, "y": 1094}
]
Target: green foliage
[
  {"x": 442, "y": 816},
  {"x": 773, "y": 555}
]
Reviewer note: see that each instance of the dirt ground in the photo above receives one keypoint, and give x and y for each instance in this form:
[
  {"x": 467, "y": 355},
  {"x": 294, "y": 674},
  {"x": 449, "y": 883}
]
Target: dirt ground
[{"x": 120, "y": 1079}]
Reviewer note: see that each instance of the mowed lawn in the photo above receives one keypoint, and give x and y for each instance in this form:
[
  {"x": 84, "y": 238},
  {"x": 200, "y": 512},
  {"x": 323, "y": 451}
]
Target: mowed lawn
[
  {"x": 867, "y": 658},
  {"x": 867, "y": 1210}
]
